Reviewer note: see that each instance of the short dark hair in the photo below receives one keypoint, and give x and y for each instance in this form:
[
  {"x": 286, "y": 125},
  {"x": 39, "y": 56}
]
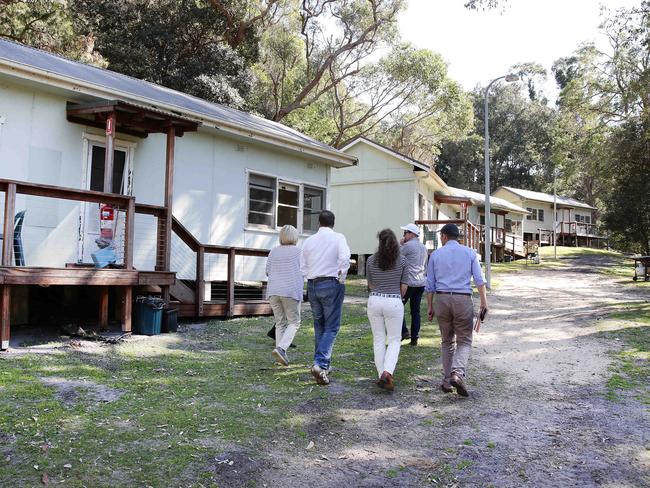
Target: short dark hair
[
  {"x": 450, "y": 230},
  {"x": 326, "y": 218}
]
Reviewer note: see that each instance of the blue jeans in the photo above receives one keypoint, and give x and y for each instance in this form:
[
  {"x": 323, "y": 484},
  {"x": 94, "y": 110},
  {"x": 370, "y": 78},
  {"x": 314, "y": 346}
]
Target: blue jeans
[
  {"x": 326, "y": 301},
  {"x": 414, "y": 295}
]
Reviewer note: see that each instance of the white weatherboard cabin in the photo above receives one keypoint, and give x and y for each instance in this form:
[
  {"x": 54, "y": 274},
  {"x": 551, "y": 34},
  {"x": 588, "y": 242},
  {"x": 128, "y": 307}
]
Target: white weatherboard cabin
[
  {"x": 200, "y": 191},
  {"x": 575, "y": 222},
  {"x": 387, "y": 190}
]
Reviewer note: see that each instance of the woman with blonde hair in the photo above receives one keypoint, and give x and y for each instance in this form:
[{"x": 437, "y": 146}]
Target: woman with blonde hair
[
  {"x": 284, "y": 290},
  {"x": 387, "y": 272}
]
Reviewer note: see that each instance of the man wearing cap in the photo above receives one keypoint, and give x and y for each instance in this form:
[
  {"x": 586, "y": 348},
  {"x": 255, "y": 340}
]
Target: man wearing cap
[
  {"x": 416, "y": 256},
  {"x": 449, "y": 272}
]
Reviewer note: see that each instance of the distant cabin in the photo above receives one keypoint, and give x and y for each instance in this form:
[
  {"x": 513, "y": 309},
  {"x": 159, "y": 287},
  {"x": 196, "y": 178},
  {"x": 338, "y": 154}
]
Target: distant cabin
[
  {"x": 574, "y": 220},
  {"x": 387, "y": 189}
]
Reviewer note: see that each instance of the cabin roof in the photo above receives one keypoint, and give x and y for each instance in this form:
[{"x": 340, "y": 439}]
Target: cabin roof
[
  {"x": 495, "y": 202},
  {"x": 44, "y": 66},
  {"x": 547, "y": 198}
]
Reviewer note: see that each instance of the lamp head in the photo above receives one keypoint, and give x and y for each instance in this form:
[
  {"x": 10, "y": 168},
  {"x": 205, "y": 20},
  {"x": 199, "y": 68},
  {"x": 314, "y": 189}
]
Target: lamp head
[{"x": 512, "y": 77}]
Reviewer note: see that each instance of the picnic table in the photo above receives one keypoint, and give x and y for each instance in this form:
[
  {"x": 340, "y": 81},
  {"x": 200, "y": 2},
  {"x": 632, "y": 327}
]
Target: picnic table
[{"x": 642, "y": 268}]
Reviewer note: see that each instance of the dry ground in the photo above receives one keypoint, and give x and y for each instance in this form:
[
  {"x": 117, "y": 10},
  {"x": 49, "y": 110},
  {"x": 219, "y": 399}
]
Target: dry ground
[{"x": 205, "y": 407}]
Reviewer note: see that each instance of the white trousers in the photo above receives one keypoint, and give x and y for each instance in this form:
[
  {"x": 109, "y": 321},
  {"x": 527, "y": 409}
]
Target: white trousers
[
  {"x": 287, "y": 319},
  {"x": 386, "y": 315}
]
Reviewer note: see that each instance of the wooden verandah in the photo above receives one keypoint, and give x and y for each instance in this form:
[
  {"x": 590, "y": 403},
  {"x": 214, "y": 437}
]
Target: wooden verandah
[{"x": 114, "y": 117}]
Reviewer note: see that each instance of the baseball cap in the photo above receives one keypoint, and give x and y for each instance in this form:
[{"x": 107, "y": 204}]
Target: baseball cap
[{"x": 411, "y": 228}]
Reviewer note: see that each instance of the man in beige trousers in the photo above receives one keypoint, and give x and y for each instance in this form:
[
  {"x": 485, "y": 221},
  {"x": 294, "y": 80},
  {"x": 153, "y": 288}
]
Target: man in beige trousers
[{"x": 449, "y": 275}]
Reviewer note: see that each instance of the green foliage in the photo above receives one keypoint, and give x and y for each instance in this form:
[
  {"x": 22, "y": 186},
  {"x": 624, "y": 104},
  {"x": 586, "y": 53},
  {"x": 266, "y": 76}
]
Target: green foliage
[
  {"x": 177, "y": 44},
  {"x": 46, "y": 24},
  {"x": 521, "y": 142},
  {"x": 628, "y": 201}
]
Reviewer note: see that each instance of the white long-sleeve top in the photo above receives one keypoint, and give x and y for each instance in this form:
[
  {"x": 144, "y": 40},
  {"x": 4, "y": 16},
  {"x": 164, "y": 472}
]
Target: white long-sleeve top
[
  {"x": 326, "y": 253},
  {"x": 283, "y": 270}
]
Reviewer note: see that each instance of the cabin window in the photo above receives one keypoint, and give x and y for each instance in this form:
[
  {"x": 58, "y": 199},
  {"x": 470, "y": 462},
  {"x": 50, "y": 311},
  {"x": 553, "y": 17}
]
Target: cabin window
[
  {"x": 313, "y": 204},
  {"x": 482, "y": 219},
  {"x": 97, "y": 163},
  {"x": 288, "y": 204},
  {"x": 583, "y": 219},
  {"x": 274, "y": 203},
  {"x": 261, "y": 199},
  {"x": 535, "y": 214},
  {"x": 508, "y": 225}
]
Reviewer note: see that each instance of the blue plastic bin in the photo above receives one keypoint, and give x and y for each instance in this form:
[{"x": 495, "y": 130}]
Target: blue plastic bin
[{"x": 148, "y": 315}]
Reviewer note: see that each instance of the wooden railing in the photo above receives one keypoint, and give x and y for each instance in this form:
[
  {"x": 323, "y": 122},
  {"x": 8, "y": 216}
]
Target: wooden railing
[
  {"x": 12, "y": 188},
  {"x": 497, "y": 235},
  {"x": 576, "y": 228},
  {"x": 470, "y": 233},
  {"x": 514, "y": 244},
  {"x": 201, "y": 250}
]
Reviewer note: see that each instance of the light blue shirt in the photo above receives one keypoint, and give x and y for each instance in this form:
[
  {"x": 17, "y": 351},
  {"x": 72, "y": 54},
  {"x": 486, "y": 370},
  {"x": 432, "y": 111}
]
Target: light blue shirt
[{"x": 452, "y": 267}]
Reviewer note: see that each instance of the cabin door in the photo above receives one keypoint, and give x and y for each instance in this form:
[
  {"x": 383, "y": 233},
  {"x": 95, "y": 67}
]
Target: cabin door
[{"x": 94, "y": 180}]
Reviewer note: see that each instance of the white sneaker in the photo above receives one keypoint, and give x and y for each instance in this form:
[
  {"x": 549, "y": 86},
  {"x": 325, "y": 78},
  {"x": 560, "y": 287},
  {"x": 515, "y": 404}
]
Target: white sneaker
[{"x": 320, "y": 374}]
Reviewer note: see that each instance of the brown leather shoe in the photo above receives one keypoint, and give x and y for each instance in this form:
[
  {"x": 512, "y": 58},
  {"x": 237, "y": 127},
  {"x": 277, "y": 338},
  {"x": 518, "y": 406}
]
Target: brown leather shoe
[
  {"x": 387, "y": 379},
  {"x": 446, "y": 388},
  {"x": 457, "y": 382}
]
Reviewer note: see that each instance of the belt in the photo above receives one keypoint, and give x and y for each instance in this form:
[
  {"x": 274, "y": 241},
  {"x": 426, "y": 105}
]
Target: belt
[
  {"x": 323, "y": 278},
  {"x": 453, "y": 293},
  {"x": 385, "y": 295}
]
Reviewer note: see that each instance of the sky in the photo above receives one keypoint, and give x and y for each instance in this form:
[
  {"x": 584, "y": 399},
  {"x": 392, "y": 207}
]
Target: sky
[{"x": 481, "y": 45}]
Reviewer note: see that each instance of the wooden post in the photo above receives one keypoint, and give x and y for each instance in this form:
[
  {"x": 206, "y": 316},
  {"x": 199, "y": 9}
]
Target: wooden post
[
  {"x": 200, "y": 283},
  {"x": 127, "y": 298},
  {"x": 111, "y": 121},
  {"x": 103, "y": 307},
  {"x": 5, "y": 316},
  {"x": 230, "y": 285},
  {"x": 169, "y": 190},
  {"x": 8, "y": 231},
  {"x": 361, "y": 265},
  {"x": 128, "y": 234}
]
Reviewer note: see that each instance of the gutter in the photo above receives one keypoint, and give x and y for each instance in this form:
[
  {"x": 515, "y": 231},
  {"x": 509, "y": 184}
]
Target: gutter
[{"x": 339, "y": 159}]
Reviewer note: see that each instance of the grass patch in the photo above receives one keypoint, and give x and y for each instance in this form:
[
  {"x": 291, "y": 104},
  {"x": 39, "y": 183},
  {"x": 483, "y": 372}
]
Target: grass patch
[
  {"x": 184, "y": 400},
  {"x": 629, "y": 323}
]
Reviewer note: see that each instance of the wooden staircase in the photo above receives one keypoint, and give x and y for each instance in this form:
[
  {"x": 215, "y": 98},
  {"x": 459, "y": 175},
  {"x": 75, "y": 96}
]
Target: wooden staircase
[{"x": 189, "y": 295}]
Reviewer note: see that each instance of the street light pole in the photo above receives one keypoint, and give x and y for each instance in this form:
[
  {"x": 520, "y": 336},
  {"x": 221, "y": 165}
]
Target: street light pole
[
  {"x": 488, "y": 220},
  {"x": 554, "y": 214}
]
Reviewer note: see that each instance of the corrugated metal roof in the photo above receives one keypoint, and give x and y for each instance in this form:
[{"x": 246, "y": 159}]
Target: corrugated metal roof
[
  {"x": 155, "y": 94},
  {"x": 495, "y": 202},
  {"x": 547, "y": 198}
]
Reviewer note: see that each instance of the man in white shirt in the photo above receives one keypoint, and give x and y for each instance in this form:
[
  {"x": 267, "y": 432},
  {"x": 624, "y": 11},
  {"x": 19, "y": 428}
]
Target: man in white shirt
[{"x": 325, "y": 261}]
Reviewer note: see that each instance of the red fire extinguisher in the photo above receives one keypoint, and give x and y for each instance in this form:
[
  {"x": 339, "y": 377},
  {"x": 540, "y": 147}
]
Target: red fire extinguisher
[{"x": 106, "y": 219}]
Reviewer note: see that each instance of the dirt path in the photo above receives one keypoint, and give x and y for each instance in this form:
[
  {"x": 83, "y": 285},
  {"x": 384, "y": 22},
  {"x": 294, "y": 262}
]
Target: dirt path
[{"x": 537, "y": 417}]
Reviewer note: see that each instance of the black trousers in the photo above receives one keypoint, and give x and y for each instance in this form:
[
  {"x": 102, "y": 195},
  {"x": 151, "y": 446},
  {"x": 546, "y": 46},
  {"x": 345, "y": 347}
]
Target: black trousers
[{"x": 414, "y": 296}]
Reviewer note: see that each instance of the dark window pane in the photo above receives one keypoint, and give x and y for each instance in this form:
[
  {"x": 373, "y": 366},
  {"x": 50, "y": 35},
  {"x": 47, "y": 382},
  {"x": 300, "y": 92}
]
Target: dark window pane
[
  {"x": 261, "y": 200},
  {"x": 540, "y": 215},
  {"x": 261, "y": 194},
  {"x": 263, "y": 181},
  {"x": 97, "y": 169},
  {"x": 260, "y": 219},
  {"x": 313, "y": 204},
  {"x": 264, "y": 207},
  {"x": 288, "y": 195},
  {"x": 287, "y": 216}
]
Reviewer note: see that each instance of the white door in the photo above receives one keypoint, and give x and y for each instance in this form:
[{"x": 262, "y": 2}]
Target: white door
[{"x": 94, "y": 180}]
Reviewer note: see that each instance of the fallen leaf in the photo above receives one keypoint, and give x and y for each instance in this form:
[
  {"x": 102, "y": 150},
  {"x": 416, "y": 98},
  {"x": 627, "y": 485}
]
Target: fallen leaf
[
  {"x": 45, "y": 447},
  {"x": 45, "y": 479},
  {"x": 310, "y": 445},
  {"x": 67, "y": 466}
]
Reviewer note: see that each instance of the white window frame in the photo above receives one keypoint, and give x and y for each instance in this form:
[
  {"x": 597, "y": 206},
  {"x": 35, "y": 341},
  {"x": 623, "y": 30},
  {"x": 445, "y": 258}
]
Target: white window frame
[
  {"x": 88, "y": 141},
  {"x": 278, "y": 181}
]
